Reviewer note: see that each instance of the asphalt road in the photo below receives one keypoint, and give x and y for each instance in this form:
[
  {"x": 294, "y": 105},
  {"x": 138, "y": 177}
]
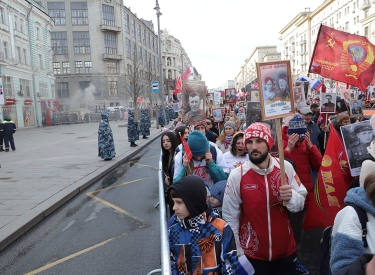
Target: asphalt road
[{"x": 110, "y": 228}]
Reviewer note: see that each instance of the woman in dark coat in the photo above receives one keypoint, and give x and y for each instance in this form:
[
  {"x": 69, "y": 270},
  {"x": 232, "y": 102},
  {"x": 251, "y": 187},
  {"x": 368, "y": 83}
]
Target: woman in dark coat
[
  {"x": 106, "y": 143},
  {"x": 168, "y": 147}
]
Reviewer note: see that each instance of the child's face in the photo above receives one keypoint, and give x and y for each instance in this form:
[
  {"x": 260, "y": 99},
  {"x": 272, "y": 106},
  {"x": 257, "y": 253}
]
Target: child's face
[
  {"x": 180, "y": 208},
  {"x": 214, "y": 202}
]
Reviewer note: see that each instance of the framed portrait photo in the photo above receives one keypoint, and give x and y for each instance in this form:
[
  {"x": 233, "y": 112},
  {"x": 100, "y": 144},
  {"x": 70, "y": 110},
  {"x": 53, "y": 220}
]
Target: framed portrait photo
[
  {"x": 230, "y": 95},
  {"x": 356, "y": 108},
  {"x": 193, "y": 98},
  {"x": 357, "y": 137},
  {"x": 299, "y": 96},
  {"x": 217, "y": 114},
  {"x": 276, "y": 97},
  {"x": 328, "y": 102},
  {"x": 253, "y": 113}
]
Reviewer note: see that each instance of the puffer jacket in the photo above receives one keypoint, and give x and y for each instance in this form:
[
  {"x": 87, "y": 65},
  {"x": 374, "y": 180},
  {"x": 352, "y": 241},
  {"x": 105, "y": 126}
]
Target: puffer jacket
[{"x": 304, "y": 159}]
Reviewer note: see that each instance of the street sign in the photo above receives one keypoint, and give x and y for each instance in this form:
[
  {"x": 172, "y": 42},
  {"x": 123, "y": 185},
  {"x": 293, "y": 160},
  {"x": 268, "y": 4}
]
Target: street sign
[{"x": 155, "y": 86}]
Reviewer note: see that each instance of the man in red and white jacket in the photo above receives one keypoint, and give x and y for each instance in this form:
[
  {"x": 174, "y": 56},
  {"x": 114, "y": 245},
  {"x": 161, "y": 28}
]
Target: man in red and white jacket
[{"x": 254, "y": 208}]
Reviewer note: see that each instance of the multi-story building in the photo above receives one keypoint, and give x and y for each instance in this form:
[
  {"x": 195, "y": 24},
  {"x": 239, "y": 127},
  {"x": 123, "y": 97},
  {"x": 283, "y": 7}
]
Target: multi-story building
[
  {"x": 25, "y": 62},
  {"x": 248, "y": 72},
  {"x": 94, "y": 45},
  {"x": 298, "y": 37}
]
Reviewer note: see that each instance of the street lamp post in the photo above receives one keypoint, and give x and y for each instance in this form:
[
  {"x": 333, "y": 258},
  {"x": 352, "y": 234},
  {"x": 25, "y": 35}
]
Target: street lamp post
[{"x": 161, "y": 86}]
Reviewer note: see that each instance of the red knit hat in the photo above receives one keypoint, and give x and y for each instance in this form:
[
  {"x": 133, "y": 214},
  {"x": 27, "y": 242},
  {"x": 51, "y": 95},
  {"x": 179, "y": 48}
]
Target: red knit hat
[{"x": 259, "y": 130}]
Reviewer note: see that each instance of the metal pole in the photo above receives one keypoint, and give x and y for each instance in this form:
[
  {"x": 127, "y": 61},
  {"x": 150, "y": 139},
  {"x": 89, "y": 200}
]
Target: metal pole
[{"x": 161, "y": 86}]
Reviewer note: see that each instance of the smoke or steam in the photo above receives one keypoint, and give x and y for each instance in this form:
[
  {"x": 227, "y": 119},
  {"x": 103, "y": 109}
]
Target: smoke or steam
[{"x": 83, "y": 98}]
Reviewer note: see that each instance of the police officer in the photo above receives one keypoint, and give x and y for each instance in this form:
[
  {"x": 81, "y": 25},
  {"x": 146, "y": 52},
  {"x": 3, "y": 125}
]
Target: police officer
[
  {"x": 9, "y": 128},
  {"x": 358, "y": 151}
]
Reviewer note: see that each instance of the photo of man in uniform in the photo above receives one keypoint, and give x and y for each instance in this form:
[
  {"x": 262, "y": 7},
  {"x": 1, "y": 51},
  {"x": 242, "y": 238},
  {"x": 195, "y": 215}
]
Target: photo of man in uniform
[
  {"x": 356, "y": 108},
  {"x": 357, "y": 151},
  {"x": 283, "y": 86},
  {"x": 195, "y": 113},
  {"x": 328, "y": 105}
]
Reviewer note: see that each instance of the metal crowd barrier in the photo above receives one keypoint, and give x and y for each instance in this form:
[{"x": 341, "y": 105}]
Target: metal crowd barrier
[{"x": 165, "y": 260}]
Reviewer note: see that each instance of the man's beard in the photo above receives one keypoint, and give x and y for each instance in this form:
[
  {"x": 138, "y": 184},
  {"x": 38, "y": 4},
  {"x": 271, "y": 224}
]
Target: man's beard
[{"x": 258, "y": 160}]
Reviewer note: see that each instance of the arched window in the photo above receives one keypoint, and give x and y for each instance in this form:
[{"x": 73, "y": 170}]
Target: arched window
[
  {"x": 169, "y": 61},
  {"x": 169, "y": 74}
]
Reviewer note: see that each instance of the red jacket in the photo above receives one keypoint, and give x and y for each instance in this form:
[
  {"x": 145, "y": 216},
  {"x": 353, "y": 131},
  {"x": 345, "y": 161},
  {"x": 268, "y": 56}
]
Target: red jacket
[{"x": 303, "y": 158}]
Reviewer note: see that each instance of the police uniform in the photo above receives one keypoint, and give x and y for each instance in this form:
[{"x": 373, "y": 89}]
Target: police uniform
[{"x": 358, "y": 151}]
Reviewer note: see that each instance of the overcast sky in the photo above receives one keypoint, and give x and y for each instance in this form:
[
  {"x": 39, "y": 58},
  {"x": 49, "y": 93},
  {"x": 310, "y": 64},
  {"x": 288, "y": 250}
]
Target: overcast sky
[{"x": 218, "y": 35}]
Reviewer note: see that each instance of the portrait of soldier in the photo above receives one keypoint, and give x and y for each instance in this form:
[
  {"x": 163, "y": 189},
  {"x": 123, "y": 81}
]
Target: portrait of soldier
[
  {"x": 356, "y": 109},
  {"x": 328, "y": 105},
  {"x": 195, "y": 113},
  {"x": 357, "y": 151},
  {"x": 283, "y": 86}
]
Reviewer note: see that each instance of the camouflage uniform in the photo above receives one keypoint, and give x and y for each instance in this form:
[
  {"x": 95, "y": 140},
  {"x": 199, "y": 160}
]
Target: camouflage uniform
[
  {"x": 143, "y": 128},
  {"x": 161, "y": 118},
  {"x": 171, "y": 113},
  {"x": 133, "y": 132}
]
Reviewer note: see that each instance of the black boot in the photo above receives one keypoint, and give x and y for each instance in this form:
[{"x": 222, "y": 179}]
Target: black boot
[
  {"x": 132, "y": 144},
  {"x": 144, "y": 137}
]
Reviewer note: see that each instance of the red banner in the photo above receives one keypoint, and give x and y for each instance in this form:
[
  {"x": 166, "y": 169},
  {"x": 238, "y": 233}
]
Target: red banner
[
  {"x": 330, "y": 189},
  {"x": 186, "y": 148},
  {"x": 178, "y": 86},
  {"x": 343, "y": 57}
]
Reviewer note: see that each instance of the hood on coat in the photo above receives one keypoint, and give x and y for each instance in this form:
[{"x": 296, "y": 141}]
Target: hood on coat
[
  {"x": 105, "y": 115},
  {"x": 358, "y": 196}
]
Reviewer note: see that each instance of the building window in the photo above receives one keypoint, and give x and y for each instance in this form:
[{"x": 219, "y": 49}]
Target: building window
[
  {"x": 126, "y": 22},
  {"x": 62, "y": 89},
  {"x": 24, "y": 56},
  {"x": 145, "y": 57},
  {"x": 127, "y": 47},
  {"x": 84, "y": 84},
  {"x": 79, "y": 67},
  {"x": 81, "y": 42},
  {"x": 153, "y": 62},
  {"x": 65, "y": 68},
  {"x": 140, "y": 54},
  {"x": 169, "y": 61},
  {"x": 43, "y": 89},
  {"x": 19, "y": 54},
  {"x": 40, "y": 61},
  {"x": 134, "y": 51},
  {"x": 80, "y": 15},
  {"x": 56, "y": 68},
  {"x": 347, "y": 26},
  {"x": 110, "y": 43},
  {"x": 366, "y": 31},
  {"x": 5, "y": 49},
  {"x": 149, "y": 40},
  {"x": 59, "y": 42},
  {"x": 112, "y": 87},
  {"x": 149, "y": 61},
  {"x": 144, "y": 36},
  {"x": 38, "y": 33},
  {"x": 7, "y": 85},
  {"x": 21, "y": 26},
  {"x": 88, "y": 67},
  {"x": 57, "y": 12},
  {"x": 2, "y": 16},
  {"x": 139, "y": 32},
  {"x": 108, "y": 15},
  {"x": 112, "y": 67},
  {"x": 15, "y": 23},
  {"x": 132, "y": 27},
  {"x": 25, "y": 86}
]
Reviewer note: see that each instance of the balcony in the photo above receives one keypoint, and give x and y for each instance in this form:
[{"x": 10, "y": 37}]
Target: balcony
[
  {"x": 108, "y": 28},
  {"x": 303, "y": 41},
  {"x": 107, "y": 56},
  {"x": 365, "y": 5}
]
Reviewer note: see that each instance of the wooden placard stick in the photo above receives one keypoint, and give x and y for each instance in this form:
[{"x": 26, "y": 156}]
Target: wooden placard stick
[
  {"x": 281, "y": 152},
  {"x": 325, "y": 133}
]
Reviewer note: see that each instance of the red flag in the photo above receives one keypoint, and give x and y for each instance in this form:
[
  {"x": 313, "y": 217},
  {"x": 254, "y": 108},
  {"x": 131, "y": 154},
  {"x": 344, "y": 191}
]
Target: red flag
[
  {"x": 186, "y": 148},
  {"x": 330, "y": 189},
  {"x": 178, "y": 86},
  {"x": 139, "y": 100},
  {"x": 344, "y": 57}
]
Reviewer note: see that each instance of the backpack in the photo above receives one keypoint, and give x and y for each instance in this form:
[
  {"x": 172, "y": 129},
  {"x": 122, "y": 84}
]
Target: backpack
[{"x": 325, "y": 242}]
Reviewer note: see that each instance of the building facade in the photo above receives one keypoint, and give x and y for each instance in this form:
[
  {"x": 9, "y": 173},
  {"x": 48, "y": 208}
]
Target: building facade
[
  {"x": 26, "y": 62},
  {"x": 94, "y": 44}
]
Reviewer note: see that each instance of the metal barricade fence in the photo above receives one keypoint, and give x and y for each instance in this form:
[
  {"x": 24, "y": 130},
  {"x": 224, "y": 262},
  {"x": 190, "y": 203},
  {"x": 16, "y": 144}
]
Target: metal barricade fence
[{"x": 165, "y": 260}]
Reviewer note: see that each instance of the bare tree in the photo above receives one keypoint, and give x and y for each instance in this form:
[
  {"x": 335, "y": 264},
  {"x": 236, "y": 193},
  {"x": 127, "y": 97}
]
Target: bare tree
[
  {"x": 150, "y": 75},
  {"x": 136, "y": 84}
]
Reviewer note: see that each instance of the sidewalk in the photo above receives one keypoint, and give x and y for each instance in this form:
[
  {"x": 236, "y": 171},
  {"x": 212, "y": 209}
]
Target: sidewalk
[{"x": 50, "y": 166}]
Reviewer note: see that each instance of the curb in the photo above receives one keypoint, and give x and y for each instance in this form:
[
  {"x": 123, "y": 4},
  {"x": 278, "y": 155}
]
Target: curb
[{"x": 40, "y": 212}]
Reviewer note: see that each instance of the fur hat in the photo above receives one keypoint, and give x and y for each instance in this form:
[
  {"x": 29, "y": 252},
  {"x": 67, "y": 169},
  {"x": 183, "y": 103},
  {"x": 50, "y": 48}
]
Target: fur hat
[
  {"x": 297, "y": 126},
  {"x": 230, "y": 124},
  {"x": 217, "y": 190},
  {"x": 198, "y": 143},
  {"x": 259, "y": 130}
]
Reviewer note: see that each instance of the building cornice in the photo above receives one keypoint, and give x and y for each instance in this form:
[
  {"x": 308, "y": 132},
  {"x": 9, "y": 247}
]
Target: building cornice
[{"x": 295, "y": 21}]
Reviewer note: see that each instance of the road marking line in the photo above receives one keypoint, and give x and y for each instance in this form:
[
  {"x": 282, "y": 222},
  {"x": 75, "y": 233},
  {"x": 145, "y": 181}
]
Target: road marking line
[
  {"x": 48, "y": 266},
  {"x": 136, "y": 163},
  {"x": 152, "y": 156},
  {"x": 115, "y": 186},
  {"x": 116, "y": 207}
]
